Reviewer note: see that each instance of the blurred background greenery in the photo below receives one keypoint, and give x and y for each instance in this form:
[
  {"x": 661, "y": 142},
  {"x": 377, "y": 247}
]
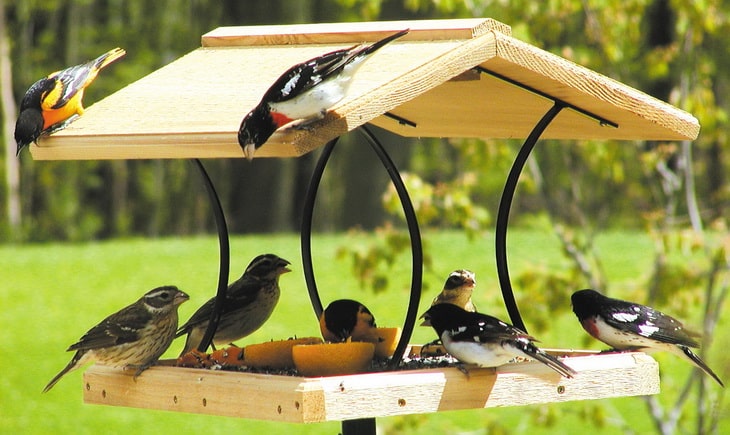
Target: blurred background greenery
[{"x": 668, "y": 200}]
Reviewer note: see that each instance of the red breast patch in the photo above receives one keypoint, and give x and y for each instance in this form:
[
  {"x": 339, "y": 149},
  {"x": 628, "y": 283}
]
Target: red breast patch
[
  {"x": 280, "y": 119},
  {"x": 590, "y": 326}
]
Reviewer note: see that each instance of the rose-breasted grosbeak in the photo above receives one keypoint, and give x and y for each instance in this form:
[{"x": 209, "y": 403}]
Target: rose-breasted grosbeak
[
  {"x": 54, "y": 100},
  {"x": 628, "y": 326},
  {"x": 250, "y": 300},
  {"x": 133, "y": 337},
  {"x": 345, "y": 319},
  {"x": 304, "y": 93},
  {"x": 457, "y": 290},
  {"x": 486, "y": 341}
]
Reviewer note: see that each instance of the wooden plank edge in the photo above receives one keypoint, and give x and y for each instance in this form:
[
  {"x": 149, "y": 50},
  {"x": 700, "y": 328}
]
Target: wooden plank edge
[
  {"x": 308, "y": 400},
  {"x": 356, "y": 32},
  {"x": 156, "y": 146}
]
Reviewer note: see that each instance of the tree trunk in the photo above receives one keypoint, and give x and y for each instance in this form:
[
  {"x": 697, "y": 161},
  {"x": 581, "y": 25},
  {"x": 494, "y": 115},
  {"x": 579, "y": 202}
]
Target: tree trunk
[{"x": 7, "y": 103}]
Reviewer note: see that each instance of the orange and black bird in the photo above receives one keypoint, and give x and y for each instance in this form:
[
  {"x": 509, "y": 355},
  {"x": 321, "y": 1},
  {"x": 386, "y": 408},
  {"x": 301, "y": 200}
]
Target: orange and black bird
[
  {"x": 627, "y": 325},
  {"x": 134, "y": 337},
  {"x": 345, "y": 319},
  {"x": 55, "y": 100},
  {"x": 304, "y": 93}
]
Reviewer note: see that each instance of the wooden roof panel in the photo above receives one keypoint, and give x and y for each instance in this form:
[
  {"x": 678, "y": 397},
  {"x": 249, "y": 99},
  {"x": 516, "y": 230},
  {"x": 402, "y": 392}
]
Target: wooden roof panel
[{"x": 193, "y": 106}]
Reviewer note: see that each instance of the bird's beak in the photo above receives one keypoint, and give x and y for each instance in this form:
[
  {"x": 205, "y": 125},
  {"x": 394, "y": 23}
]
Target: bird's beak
[
  {"x": 180, "y": 297},
  {"x": 249, "y": 150},
  {"x": 426, "y": 320}
]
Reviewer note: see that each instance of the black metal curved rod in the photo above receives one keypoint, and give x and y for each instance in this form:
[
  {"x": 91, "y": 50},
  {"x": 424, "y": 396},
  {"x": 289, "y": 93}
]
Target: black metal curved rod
[
  {"x": 225, "y": 257},
  {"x": 306, "y": 229},
  {"x": 416, "y": 247},
  {"x": 500, "y": 233}
]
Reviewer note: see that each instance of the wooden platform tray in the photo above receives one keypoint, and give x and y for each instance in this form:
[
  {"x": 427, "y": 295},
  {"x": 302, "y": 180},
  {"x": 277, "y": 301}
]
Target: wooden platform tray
[
  {"x": 192, "y": 108},
  {"x": 308, "y": 400}
]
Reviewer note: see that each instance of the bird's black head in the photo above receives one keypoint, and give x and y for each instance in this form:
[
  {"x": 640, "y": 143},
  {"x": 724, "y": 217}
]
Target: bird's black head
[
  {"x": 256, "y": 128},
  {"x": 586, "y": 303},
  {"x": 445, "y": 316},
  {"x": 28, "y": 128},
  {"x": 164, "y": 297},
  {"x": 266, "y": 266},
  {"x": 341, "y": 316}
]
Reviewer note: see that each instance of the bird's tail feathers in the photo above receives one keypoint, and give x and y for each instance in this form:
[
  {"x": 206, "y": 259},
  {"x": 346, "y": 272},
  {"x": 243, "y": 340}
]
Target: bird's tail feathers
[
  {"x": 538, "y": 354},
  {"x": 73, "y": 364},
  {"x": 108, "y": 57},
  {"x": 369, "y": 49},
  {"x": 687, "y": 352}
]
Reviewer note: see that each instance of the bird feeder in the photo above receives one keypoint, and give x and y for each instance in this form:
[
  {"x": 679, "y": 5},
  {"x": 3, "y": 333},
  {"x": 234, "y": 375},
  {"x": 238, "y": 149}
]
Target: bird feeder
[{"x": 446, "y": 78}]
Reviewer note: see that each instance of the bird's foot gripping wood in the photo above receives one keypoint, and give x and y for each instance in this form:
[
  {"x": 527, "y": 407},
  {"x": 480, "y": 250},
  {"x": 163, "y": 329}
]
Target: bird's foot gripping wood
[
  {"x": 462, "y": 368},
  {"x": 139, "y": 368}
]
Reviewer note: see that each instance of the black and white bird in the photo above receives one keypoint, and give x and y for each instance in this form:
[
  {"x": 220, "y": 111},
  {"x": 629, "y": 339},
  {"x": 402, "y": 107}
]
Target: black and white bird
[
  {"x": 457, "y": 290},
  {"x": 304, "y": 93},
  {"x": 486, "y": 341},
  {"x": 134, "y": 337},
  {"x": 626, "y": 325},
  {"x": 250, "y": 300}
]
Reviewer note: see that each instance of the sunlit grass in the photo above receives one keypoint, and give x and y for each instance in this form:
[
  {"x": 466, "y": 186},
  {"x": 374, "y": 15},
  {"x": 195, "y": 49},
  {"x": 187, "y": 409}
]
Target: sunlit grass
[{"x": 52, "y": 293}]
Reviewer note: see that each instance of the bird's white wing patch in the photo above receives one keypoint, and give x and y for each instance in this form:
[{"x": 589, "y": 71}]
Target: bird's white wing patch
[
  {"x": 647, "y": 329},
  {"x": 625, "y": 317},
  {"x": 290, "y": 85}
]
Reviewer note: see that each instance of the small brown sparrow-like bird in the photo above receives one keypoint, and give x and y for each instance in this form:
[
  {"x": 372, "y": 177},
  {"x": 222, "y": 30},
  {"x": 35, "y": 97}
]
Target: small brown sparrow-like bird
[
  {"x": 345, "y": 319},
  {"x": 134, "y": 337},
  {"x": 250, "y": 300},
  {"x": 486, "y": 341},
  {"x": 625, "y": 325},
  {"x": 457, "y": 290}
]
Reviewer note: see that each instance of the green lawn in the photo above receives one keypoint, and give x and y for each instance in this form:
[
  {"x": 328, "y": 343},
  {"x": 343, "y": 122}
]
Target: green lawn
[{"x": 52, "y": 293}]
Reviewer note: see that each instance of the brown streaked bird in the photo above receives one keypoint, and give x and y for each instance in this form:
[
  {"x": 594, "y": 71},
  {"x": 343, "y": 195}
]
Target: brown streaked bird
[
  {"x": 57, "y": 99},
  {"x": 134, "y": 337},
  {"x": 457, "y": 290},
  {"x": 250, "y": 300}
]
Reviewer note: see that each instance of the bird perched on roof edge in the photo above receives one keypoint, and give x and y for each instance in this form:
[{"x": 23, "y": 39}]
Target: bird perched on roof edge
[
  {"x": 304, "y": 93},
  {"x": 486, "y": 341},
  {"x": 457, "y": 290},
  {"x": 629, "y": 326},
  {"x": 250, "y": 300},
  {"x": 134, "y": 337},
  {"x": 53, "y": 101}
]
